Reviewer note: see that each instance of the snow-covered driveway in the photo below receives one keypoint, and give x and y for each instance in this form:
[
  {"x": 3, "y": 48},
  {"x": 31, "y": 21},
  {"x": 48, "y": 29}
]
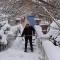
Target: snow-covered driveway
[
  {"x": 16, "y": 52},
  {"x": 13, "y": 54}
]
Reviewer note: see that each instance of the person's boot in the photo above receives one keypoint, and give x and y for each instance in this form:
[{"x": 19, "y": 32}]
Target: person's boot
[
  {"x": 25, "y": 51},
  {"x": 31, "y": 50}
]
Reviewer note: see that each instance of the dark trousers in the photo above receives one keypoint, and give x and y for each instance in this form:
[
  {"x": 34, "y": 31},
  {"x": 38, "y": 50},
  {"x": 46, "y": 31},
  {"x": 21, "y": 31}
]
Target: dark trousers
[{"x": 26, "y": 41}]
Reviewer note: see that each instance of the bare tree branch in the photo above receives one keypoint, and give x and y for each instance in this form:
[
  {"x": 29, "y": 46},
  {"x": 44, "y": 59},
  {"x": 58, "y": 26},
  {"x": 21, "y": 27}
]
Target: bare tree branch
[
  {"x": 58, "y": 24},
  {"x": 47, "y": 3}
]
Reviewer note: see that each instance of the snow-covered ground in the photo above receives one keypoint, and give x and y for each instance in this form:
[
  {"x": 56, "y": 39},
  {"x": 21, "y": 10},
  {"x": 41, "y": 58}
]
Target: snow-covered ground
[
  {"x": 13, "y": 54},
  {"x": 16, "y": 51}
]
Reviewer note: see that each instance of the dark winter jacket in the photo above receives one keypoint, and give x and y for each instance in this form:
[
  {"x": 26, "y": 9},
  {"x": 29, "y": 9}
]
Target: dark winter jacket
[{"x": 28, "y": 31}]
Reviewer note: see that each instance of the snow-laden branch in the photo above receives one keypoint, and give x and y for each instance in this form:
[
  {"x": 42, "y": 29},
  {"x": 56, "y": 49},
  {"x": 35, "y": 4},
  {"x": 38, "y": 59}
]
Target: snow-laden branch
[
  {"x": 44, "y": 2},
  {"x": 51, "y": 16}
]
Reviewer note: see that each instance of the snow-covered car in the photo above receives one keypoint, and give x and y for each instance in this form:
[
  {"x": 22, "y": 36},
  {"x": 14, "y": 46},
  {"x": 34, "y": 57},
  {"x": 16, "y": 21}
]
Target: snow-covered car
[
  {"x": 6, "y": 28},
  {"x": 3, "y": 42}
]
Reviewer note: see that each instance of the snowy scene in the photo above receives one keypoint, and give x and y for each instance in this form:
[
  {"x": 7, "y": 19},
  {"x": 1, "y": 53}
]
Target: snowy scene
[{"x": 29, "y": 29}]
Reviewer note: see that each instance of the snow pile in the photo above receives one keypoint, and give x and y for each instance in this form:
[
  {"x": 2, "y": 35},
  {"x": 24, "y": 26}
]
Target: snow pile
[
  {"x": 38, "y": 30},
  {"x": 5, "y": 26},
  {"x": 53, "y": 32},
  {"x": 3, "y": 39},
  {"x": 58, "y": 38},
  {"x": 52, "y": 52},
  {"x": 53, "y": 24}
]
